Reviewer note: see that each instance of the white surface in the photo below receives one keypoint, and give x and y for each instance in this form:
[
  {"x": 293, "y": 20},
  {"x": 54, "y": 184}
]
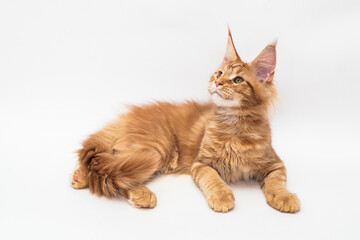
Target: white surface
[{"x": 67, "y": 67}]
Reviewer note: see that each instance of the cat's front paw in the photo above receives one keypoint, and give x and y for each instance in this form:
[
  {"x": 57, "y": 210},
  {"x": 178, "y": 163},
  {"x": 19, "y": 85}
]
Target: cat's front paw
[
  {"x": 284, "y": 202},
  {"x": 222, "y": 201}
]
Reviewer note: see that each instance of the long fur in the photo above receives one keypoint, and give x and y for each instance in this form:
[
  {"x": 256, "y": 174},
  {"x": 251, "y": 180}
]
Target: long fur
[{"x": 216, "y": 143}]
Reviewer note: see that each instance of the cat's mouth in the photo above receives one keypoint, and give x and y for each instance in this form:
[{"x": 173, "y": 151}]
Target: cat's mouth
[{"x": 217, "y": 93}]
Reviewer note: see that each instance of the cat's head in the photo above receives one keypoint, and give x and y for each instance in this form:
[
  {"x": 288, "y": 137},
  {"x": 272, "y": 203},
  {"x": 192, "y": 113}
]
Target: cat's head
[{"x": 244, "y": 85}]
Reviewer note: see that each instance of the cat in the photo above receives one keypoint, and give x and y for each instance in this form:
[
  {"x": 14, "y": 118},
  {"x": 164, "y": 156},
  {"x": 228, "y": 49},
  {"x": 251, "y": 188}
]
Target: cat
[{"x": 219, "y": 142}]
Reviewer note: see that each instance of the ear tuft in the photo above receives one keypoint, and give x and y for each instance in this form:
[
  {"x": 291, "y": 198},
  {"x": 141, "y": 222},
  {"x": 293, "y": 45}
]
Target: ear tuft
[
  {"x": 264, "y": 64},
  {"x": 273, "y": 44},
  {"x": 230, "y": 53}
]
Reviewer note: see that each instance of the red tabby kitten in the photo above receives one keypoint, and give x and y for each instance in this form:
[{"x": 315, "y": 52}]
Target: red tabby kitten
[{"x": 217, "y": 143}]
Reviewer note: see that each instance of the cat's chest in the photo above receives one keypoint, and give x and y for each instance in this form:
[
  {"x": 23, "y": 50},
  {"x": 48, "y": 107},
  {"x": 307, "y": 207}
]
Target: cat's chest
[{"x": 238, "y": 158}]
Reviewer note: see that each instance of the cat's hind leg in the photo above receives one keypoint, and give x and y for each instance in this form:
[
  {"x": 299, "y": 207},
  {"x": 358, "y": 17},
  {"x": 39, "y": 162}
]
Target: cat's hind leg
[
  {"x": 79, "y": 178},
  {"x": 112, "y": 170},
  {"x": 111, "y": 167},
  {"x": 95, "y": 144}
]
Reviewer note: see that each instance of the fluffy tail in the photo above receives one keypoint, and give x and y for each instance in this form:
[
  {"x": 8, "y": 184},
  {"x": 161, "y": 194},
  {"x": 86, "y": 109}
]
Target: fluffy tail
[{"x": 109, "y": 172}]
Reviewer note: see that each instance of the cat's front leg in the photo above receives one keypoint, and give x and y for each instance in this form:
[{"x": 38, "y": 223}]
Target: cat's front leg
[
  {"x": 276, "y": 193},
  {"x": 218, "y": 194}
]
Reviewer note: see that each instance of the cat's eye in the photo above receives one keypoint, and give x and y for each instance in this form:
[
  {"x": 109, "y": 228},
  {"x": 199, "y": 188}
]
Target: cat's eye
[
  {"x": 238, "y": 80},
  {"x": 219, "y": 74}
]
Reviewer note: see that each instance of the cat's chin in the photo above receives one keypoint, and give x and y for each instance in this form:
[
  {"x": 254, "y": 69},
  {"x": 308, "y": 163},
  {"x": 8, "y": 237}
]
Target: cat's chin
[{"x": 222, "y": 102}]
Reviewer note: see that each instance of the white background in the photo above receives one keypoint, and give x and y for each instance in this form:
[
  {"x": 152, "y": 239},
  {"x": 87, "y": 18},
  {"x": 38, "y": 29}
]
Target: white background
[{"x": 68, "y": 67}]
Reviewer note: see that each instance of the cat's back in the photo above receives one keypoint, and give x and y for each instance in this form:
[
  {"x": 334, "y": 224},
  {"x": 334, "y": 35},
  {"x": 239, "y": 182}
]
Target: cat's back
[
  {"x": 169, "y": 113},
  {"x": 162, "y": 121}
]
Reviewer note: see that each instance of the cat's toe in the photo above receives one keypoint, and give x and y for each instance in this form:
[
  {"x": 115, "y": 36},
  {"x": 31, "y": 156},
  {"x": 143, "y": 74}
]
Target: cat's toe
[
  {"x": 221, "y": 202},
  {"x": 142, "y": 198},
  {"x": 288, "y": 202},
  {"x": 79, "y": 180}
]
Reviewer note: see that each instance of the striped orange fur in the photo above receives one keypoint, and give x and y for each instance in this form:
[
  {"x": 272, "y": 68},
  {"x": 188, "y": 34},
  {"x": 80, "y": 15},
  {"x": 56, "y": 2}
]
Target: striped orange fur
[{"x": 223, "y": 141}]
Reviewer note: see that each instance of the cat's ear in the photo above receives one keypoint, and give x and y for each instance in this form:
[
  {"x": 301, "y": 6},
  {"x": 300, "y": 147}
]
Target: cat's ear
[
  {"x": 264, "y": 64},
  {"x": 230, "y": 53}
]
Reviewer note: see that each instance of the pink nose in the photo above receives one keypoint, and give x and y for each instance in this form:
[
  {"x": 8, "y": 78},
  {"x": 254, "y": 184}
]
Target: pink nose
[{"x": 217, "y": 83}]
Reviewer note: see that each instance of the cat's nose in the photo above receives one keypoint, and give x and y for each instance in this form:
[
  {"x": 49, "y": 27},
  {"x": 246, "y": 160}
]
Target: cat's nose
[{"x": 217, "y": 83}]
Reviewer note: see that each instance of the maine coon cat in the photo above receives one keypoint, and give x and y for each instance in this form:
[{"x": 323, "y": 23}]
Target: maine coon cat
[{"x": 223, "y": 141}]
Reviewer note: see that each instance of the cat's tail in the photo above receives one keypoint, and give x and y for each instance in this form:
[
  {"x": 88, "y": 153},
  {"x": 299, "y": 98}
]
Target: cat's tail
[{"x": 110, "y": 172}]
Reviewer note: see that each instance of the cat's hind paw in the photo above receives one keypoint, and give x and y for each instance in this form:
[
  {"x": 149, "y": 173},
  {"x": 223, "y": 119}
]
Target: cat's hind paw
[
  {"x": 79, "y": 179},
  {"x": 142, "y": 197}
]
